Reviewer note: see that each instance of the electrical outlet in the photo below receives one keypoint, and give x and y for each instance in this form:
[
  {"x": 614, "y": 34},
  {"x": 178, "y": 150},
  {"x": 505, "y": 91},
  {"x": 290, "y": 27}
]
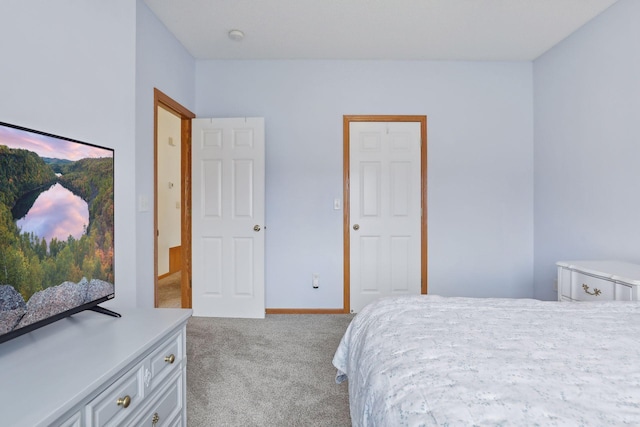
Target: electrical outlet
[{"x": 315, "y": 280}]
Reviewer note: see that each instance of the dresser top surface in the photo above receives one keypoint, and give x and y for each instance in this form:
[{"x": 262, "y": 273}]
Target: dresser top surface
[
  {"x": 615, "y": 270},
  {"x": 51, "y": 369}
]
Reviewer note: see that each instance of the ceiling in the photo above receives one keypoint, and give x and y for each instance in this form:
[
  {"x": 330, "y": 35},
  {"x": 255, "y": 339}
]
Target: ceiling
[{"x": 476, "y": 30}]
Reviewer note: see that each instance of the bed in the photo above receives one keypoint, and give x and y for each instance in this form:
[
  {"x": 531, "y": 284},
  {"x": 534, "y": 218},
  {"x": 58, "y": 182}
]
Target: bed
[{"x": 428, "y": 360}]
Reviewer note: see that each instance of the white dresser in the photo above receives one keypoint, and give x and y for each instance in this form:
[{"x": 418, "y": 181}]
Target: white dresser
[
  {"x": 598, "y": 281},
  {"x": 92, "y": 370}
]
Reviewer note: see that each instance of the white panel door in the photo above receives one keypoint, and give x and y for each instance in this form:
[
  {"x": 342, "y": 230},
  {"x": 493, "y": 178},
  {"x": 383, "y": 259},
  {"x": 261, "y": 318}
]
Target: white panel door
[
  {"x": 385, "y": 210},
  {"x": 228, "y": 217}
]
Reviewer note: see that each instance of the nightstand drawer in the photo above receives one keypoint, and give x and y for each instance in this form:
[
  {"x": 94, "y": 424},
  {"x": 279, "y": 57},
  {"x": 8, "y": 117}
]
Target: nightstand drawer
[
  {"x": 624, "y": 292},
  {"x": 589, "y": 288},
  {"x": 598, "y": 281}
]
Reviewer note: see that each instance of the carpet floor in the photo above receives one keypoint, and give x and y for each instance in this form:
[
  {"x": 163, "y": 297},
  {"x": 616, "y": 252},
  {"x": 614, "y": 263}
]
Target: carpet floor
[
  {"x": 169, "y": 291},
  {"x": 265, "y": 372}
]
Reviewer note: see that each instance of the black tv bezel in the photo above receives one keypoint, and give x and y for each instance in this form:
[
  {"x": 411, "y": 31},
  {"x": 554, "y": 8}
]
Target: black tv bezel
[{"x": 88, "y": 305}]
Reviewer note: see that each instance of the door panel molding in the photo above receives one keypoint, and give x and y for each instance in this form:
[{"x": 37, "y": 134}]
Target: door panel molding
[{"x": 347, "y": 120}]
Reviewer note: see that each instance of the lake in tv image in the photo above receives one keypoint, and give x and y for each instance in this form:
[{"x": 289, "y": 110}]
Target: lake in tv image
[{"x": 56, "y": 226}]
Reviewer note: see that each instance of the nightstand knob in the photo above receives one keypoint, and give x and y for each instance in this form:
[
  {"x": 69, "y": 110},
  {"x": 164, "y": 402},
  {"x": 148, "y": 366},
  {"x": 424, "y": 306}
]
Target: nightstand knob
[
  {"x": 595, "y": 292},
  {"x": 124, "y": 401},
  {"x": 170, "y": 359}
]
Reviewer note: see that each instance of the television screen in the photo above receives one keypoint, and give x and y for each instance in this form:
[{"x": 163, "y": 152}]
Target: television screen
[{"x": 56, "y": 228}]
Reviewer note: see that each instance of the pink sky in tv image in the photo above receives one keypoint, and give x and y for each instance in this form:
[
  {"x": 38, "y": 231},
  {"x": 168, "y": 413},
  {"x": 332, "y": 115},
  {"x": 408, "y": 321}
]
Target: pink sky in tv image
[
  {"x": 56, "y": 213},
  {"x": 46, "y": 146}
]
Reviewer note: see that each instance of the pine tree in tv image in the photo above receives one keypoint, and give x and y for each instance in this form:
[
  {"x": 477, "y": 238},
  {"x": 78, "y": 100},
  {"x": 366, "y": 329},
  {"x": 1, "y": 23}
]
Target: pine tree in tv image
[{"x": 56, "y": 226}]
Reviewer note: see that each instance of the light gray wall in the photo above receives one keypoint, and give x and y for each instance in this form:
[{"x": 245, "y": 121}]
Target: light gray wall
[
  {"x": 86, "y": 70},
  {"x": 68, "y": 68},
  {"x": 162, "y": 63},
  {"x": 587, "y": 145},
  {"x": 480, "y": 165}
]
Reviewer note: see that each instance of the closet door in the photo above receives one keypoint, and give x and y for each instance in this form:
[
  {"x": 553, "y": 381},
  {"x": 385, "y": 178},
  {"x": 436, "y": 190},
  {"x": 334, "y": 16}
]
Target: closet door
[{"x": 385, "y": 210}]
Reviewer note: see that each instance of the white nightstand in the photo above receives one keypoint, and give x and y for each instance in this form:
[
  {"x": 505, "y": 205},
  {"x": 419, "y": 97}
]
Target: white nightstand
[{"x": 598, "y": 281}]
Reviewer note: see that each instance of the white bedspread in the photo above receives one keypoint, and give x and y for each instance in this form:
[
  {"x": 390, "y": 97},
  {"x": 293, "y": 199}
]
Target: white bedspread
[{"x": 427, "y": 360}]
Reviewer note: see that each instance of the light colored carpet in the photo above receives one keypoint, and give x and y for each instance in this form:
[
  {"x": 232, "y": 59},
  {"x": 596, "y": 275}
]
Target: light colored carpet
[
  {"x": 265, "y": 372},
  {"x": 169, "y": 291}
]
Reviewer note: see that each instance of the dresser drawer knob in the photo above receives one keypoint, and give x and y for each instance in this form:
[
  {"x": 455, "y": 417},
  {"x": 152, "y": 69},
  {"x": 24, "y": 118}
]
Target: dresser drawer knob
[
  {"x": 170, "y": 359},
  {"x": 124, "y": 401},
  {"x": 155, "y": 419},
  {"x": 595, "y": 292}
]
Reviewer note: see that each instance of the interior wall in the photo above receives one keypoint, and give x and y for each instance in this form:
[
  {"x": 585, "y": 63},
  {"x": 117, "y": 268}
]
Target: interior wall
[
  {"x": 162, "y": 63},
  {"x": 169, "y": 186},
  {"x": 587, "y": 145},
  {"x": 68, "y": 69},
  {"x": 86, "y": 70},
  {"x": 480, "y": 165}
]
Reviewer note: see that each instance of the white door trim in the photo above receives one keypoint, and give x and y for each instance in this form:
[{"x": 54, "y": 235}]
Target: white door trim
[{"x": 347, "y": 120}]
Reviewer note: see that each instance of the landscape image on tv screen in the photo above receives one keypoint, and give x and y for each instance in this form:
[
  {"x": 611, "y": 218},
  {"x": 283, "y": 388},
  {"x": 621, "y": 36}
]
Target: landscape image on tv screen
[{"x": 56, "y": 228}]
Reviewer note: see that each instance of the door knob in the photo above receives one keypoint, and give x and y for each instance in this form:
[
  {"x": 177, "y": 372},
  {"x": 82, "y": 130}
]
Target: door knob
[
  {"x": 256, "y": 228},
  {"x": 356, "y": 227}
]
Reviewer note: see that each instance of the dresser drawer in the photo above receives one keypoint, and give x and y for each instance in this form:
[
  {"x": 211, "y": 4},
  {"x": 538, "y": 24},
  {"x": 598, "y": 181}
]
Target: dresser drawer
[
  {"x": 589, "y": 288},
  {"x": 166, "y": 405},
  {"x": 74, "y": 421},
  {"x": 118, "y": 401},
  {"x": 166, "y": 359}
]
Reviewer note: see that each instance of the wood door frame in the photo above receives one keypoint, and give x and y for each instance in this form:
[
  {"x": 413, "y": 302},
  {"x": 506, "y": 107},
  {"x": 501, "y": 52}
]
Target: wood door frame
[
  {"x": 162, "y": 100},
  {"x": 346, "y": 124}
]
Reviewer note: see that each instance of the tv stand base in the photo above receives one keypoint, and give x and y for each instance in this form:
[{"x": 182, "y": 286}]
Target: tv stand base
[{"x": 103, "y": 310}]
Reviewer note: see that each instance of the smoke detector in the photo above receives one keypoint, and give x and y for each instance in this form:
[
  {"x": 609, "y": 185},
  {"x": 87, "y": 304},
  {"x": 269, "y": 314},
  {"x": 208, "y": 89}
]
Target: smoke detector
[{"x": 236, "y": 35}]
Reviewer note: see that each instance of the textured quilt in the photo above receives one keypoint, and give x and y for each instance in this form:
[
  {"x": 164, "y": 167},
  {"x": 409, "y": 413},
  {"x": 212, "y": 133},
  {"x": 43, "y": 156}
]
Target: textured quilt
[{"x": 435, "y": 361}]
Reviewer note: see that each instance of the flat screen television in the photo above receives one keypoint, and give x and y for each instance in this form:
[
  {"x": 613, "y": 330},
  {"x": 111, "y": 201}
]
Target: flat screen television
[{"x": 56, "y": 228}]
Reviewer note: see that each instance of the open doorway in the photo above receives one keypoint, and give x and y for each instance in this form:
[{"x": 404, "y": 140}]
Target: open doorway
[
  {"x": 172, "y": 202},
  {"x": 169, "y": 207}
]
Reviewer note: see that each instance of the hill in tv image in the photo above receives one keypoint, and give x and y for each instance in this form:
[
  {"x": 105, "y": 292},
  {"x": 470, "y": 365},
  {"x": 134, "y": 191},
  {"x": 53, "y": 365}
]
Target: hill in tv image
[{"x": 56, "y": 226}]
